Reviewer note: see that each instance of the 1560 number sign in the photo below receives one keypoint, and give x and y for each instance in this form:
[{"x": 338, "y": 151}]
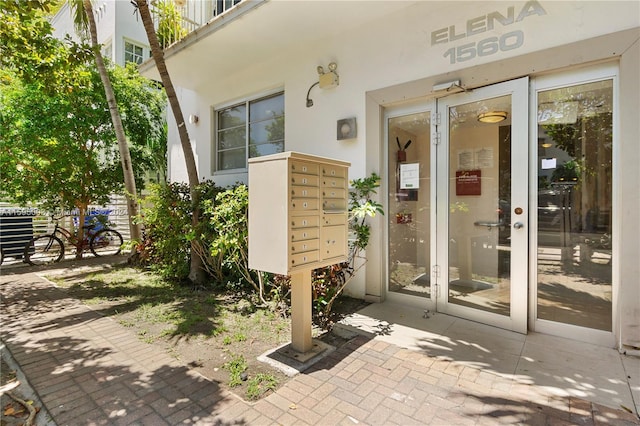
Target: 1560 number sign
[{"x": 485, "y": 47}]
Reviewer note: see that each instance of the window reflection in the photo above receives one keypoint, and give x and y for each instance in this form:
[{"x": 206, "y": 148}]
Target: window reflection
[
  {"x": 261, "y": 133},
  {"x": 575, "y": 204},
  {"x": 409, "y": 203},
  {"x": 480, "y": 207}
]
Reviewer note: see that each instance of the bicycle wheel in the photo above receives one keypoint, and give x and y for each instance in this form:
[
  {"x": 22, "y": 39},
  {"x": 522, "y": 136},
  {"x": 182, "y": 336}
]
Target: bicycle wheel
[
  {"x": 43, "y": 250},
  {"x": 106, "y": 242}
]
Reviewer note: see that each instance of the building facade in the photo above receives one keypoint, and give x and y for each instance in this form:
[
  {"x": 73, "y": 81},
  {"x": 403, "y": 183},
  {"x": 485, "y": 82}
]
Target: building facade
[
  {"x": 506, "y": 135},
  {"x": 120, "y": 31}
]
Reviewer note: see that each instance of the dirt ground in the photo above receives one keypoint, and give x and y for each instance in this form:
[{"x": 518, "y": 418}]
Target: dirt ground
[
  {"x": 218, "y": 333},
  {"x": 19, "y": 404},
  {"x": 207, "y": 355},
  {"x": 13, "y": 412}
]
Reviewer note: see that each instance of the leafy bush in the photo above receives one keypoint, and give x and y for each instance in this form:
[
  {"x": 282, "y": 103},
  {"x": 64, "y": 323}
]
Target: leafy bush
[
  {"x": 225, "y": 250},
  {"x": 168, "y": 231},
  {"x": 223, "y": 237},
  {"x": 222, "y": 232},
  {"x": 170, "y": 27},
  {"x": 330, "y": 281}
]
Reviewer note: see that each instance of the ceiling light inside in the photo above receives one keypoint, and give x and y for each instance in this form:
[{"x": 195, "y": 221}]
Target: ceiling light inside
[{"x": 492, "y": 117}]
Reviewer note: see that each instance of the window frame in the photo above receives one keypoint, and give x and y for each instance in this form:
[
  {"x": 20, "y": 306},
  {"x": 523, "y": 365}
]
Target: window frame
[
  {"x": 246, "y": 101},
  {"x": 574, "y": 77},
  {"x": 134, "y": 44},
  {"x": 107, "y": 49}
]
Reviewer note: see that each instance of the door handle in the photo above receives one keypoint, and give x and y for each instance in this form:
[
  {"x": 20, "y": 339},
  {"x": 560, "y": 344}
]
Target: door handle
[
  {"x": 518, "y": 225},
  {"x": 488, "y": 224}
]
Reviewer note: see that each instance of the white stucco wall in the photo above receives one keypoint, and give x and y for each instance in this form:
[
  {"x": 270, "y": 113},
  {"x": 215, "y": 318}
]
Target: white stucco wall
[
  {"x": 629, "y": 193},
  {"x": 127, "y": 26},
  {"x": 105, "y": 16},
  {"x": 392, "y": 60},
  {"x": 62, "y": 23},
  {"x": 177, "y": 171},
  {"x": 381, "y": 54},
  {"x": 106, "y": 19}
]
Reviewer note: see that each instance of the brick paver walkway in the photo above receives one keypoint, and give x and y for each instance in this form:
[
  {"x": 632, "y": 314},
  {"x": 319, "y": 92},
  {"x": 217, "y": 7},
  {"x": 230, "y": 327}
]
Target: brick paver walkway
[{"x": 89, "y": 370}]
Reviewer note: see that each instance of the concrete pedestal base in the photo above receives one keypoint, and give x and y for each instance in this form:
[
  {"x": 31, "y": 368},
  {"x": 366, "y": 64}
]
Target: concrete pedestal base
[{"x": 292, "y": 362}]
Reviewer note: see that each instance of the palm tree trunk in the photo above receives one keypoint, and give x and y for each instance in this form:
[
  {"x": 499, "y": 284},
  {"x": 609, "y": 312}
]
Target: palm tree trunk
[
  {"x": 125, "y": 155},
  {"x": 197, "y": 273}
]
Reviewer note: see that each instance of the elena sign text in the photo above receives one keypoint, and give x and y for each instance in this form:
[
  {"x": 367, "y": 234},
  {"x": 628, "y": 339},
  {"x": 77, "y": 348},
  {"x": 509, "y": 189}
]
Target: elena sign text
[{"x": 490, "y": 45}]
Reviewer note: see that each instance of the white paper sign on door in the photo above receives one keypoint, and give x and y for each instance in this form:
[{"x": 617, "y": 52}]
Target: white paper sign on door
[
  {"x": 410, "y": 176},
  {"x": 548, "y": 163}
]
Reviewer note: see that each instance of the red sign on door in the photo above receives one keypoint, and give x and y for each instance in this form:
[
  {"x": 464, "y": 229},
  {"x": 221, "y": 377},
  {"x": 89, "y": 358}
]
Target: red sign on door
[{"x": 468, "y": 182}]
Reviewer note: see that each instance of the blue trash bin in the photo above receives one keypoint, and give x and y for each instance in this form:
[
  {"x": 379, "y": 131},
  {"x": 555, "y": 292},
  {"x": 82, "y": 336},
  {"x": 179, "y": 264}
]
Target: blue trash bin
[{"x": 96, "y": 217}]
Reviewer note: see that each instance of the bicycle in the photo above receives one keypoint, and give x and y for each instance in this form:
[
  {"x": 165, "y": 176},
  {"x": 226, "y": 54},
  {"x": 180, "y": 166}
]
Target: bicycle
[{"x": 49, "y": 248}]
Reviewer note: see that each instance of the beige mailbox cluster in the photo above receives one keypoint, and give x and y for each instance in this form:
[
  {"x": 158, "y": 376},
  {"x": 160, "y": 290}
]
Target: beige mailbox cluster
[{"x": 297, "y": 212}]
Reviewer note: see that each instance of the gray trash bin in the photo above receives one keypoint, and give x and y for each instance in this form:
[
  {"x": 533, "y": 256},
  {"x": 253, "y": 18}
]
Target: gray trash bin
[{"x": 16, "y": 229}]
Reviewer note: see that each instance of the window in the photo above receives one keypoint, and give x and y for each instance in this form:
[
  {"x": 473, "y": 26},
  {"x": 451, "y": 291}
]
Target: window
[
  {"x": 575, "y": 203},
  {"x": 133, "y": 53},
  {"x": 218, "y": 7},
  {"x": 250, "y": 129},
  {"x": 107, "y": 51}
]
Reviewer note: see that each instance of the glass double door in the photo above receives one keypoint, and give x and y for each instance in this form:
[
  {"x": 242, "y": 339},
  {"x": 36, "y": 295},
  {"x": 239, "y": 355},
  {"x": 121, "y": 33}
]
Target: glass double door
[
  {"x": 458, "y": 205},
  {"x": 501, "y": 207}
]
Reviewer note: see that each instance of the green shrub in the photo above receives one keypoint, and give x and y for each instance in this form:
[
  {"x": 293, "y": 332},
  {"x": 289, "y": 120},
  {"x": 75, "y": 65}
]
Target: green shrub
[
  {"x": 259, "y": 385},
  {"x": 170, "y": 27},
  {"x": 168, "y": 230},
  {"x": 165, "y": 225},
  {"x": 330, "y": 281},
  {"x": 226, "y": 244},
  {"x": 223, "y": 242},
  {"x": 236, "y": 367},
  {"x": 222, "y": 234}
]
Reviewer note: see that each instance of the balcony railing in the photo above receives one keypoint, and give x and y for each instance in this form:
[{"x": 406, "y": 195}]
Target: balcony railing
[{"x": 175, "y": 19}]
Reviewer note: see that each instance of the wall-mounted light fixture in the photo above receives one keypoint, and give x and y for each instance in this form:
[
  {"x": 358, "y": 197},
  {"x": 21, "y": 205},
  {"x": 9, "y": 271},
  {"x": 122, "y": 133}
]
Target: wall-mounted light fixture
[
  {"x": 492, "y": 116},
  {"x": 193, "y": 119},
  {"x": 448, "y": 86},
  {"x": 347, "y": 128},
  {"x": 329, "y": 79},
  {"x": 326, "y": 80}
]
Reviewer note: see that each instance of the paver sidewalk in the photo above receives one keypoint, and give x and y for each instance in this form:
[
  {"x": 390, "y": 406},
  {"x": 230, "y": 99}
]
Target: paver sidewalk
[{"x": 87, "y": 369}]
